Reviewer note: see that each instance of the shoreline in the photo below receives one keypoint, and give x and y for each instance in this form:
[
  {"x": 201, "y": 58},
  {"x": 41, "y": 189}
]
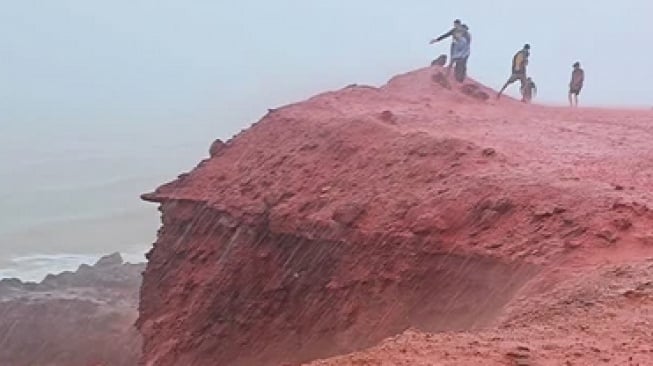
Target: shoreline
[{"x": 35, "y": 267}]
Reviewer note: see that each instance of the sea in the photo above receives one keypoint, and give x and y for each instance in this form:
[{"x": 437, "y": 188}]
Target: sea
[{"x": 69, "y": 193}]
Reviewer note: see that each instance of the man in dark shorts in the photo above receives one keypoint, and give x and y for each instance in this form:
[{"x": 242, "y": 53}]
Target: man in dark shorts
[
  {"x": 576, "y": 84},
  {"x": 518, "y": 73}
]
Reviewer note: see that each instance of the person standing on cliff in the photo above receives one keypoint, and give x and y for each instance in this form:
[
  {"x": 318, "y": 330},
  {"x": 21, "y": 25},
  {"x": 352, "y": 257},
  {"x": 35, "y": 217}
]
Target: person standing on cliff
[
  {"x": 576, "y": 84},
  {"x": 468, "y": 37},
  {"x": 458, "y": 28},
  {"x": 459, "y": 56},
  {"x": 518, "y": 73}
]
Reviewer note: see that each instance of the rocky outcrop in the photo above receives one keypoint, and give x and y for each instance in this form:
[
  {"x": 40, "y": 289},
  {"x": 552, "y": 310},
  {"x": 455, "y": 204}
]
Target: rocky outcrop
[
  {"x": 82, "y": 318},
  {"x": 336, "y": 222}
]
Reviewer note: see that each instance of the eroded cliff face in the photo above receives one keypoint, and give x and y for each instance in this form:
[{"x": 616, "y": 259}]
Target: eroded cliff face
[
  {"x": 334, "y": 223},
  {"x": 82, "y": 318},
  {"x": 245, "y": 295}
]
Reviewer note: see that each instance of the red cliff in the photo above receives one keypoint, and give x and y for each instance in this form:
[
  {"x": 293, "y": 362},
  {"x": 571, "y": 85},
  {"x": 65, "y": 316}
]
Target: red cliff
[{"x": 334, "y": 223}]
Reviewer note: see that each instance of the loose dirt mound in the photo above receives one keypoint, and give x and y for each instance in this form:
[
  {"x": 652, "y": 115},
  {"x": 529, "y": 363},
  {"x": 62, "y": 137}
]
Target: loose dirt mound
[{"x": 336, "y": 222}]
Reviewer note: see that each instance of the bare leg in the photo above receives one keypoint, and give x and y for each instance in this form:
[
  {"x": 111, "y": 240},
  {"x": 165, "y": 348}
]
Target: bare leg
[
  {"x": 576, "y": 100},
  {"x": 571, "y": 104},
  {"x": 503, "y": 89}
]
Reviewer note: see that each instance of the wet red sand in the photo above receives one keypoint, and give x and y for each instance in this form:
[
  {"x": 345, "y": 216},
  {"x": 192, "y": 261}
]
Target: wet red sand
[{"x": 566, "y": 191}]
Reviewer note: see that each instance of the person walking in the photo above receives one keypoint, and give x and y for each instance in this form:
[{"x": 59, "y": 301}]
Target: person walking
[{"x": 518, "y": 72}]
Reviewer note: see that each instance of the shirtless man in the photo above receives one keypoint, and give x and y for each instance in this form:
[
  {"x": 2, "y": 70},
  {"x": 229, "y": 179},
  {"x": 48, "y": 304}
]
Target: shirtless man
[
  {"x": 518, "y": 73},
  {"x": 576, "y": 84}
]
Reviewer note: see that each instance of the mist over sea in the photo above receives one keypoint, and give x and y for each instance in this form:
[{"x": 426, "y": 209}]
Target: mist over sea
[
  {"x": 102, "y": 101},
  {"x": 69, "y": 193}
]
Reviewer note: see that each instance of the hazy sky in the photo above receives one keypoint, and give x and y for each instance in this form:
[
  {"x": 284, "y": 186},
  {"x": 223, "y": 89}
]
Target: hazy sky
[{"x": 213, "y": 67}]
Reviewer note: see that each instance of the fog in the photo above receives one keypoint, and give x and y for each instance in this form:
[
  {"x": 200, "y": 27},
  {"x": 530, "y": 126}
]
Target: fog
[{"x": 101, "y": 101}]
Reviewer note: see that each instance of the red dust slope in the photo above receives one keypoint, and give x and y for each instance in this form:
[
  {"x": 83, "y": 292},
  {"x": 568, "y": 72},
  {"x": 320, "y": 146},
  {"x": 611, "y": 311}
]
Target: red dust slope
[
  {"x": 337, "y": 222},
  {"x": 597, "y": 316}
]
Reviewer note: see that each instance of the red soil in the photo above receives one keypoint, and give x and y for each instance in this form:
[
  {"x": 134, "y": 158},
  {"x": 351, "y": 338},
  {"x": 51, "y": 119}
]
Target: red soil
[
  {"x": 336, "y": 222},
  {"x": 600, "y": 315}
]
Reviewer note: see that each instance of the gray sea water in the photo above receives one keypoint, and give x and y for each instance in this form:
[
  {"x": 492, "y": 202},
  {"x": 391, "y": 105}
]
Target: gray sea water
[{"x": 70, "y": 193}]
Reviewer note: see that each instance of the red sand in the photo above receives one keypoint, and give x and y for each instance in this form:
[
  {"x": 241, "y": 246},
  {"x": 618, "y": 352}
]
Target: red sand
[
  {"x": 336, "y": 222},
  {"x": 600, "y": 315}
]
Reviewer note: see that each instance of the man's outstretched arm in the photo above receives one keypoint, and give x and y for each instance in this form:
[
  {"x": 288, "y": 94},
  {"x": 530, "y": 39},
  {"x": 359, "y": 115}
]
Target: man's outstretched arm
[{"x": 444, "y": 36}]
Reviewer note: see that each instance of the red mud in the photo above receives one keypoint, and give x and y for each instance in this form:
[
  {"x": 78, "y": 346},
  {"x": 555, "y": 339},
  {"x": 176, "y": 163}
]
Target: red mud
[{"x": 337, "y": 222}]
